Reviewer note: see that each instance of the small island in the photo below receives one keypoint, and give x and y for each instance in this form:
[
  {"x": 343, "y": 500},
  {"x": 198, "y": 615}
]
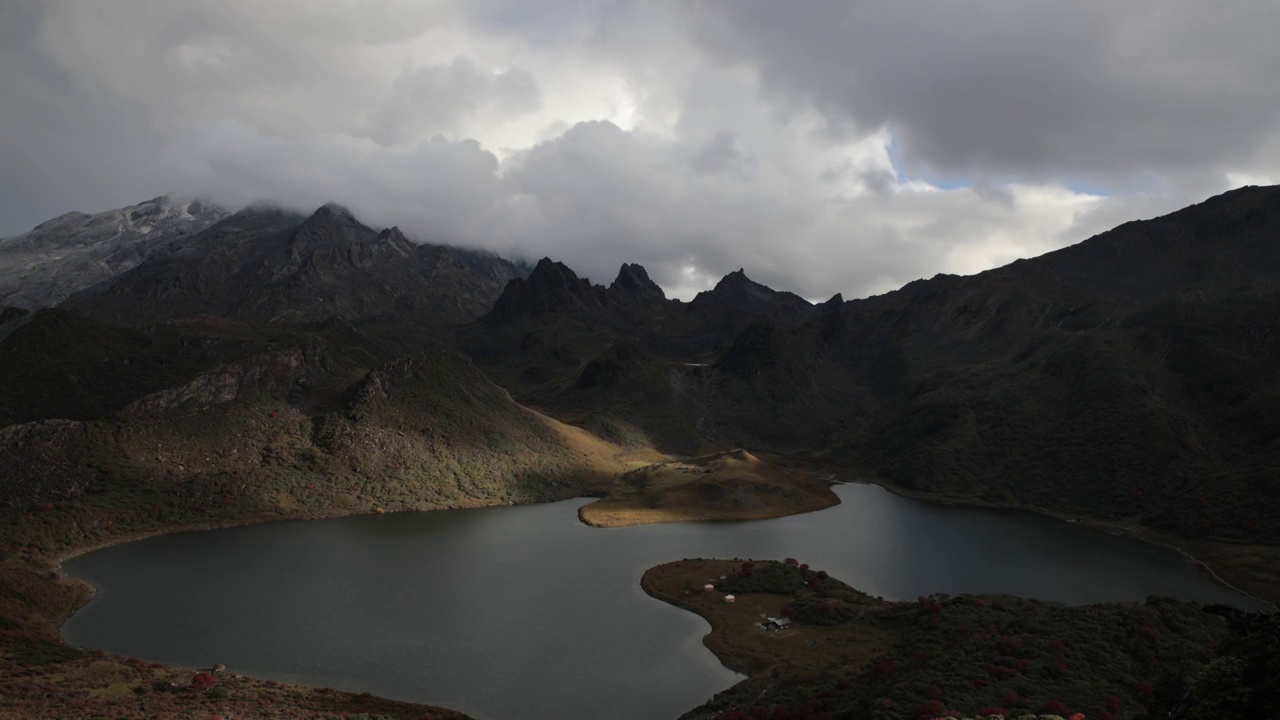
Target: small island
[
  {"x": 813, "y": 647},
  {"x": 731, "y": 485}
]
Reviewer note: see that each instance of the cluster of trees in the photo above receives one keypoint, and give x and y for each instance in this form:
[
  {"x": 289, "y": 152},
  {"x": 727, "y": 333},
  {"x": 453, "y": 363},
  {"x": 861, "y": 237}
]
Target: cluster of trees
[{"x": 785, "y": 578}]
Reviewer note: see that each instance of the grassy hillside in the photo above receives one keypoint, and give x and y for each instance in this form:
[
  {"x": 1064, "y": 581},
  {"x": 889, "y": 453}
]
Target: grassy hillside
[
  {"x": 293, "y": 427},
  {"x": 732, "y": 485},
  {"x": 421, "y": 432}
]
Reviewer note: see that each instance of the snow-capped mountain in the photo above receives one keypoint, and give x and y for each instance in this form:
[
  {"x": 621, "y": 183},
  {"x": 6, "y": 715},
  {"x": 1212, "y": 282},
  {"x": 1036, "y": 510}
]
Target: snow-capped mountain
[{"x": 75, "y": 251}]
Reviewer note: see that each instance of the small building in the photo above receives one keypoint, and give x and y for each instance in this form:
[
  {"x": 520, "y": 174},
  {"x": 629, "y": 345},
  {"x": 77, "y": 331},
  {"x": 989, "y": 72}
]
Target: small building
[
  {"x": 708, "y": 587},
  {"x": 776, "y": 623},
  {"x": 728, "y": 598}
]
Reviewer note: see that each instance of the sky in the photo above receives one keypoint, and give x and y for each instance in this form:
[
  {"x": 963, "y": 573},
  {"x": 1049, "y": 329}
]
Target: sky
[{"x": 822, "y": 146}]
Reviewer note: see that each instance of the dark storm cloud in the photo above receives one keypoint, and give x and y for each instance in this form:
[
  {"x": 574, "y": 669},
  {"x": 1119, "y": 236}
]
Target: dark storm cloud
[
  {"x": 1098, "y": 89},
  {"x": 692, "y": 138}
]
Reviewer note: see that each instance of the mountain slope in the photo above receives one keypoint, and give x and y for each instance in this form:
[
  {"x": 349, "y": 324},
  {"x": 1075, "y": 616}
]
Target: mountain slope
[
  {"x": 266, "y": 265},
  {"x": 1134, "y": 375},
  {"x": 58, "y": 258},
  {"x": 296, "y": 424},
  {"x": 619, "y": 359}
]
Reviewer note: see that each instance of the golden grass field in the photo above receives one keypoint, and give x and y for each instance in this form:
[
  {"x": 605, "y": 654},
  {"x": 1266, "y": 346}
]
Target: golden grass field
[{"x": 732, "y": 485}]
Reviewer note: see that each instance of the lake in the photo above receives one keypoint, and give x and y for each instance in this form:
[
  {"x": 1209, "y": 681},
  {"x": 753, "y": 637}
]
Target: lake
[{"x": 524, "y": 612}]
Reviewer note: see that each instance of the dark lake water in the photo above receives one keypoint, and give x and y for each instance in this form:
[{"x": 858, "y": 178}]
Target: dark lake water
[{"x": 525, "y": 613}]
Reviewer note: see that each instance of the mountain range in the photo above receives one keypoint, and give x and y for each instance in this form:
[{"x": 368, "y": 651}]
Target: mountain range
[{"x": 1131, "y": 378}]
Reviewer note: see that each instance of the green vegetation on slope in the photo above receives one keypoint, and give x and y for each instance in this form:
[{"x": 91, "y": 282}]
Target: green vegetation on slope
[{"x": 849, "y": 656}]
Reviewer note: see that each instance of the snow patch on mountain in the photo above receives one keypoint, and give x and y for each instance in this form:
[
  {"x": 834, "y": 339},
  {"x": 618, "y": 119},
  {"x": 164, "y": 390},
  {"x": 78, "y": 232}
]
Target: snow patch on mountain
[{"x": 71, "y": 252}]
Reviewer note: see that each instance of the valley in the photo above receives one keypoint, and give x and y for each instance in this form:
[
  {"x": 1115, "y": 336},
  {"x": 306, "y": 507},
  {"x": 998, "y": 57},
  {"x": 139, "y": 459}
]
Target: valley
[{"x": 204, "y": 368}]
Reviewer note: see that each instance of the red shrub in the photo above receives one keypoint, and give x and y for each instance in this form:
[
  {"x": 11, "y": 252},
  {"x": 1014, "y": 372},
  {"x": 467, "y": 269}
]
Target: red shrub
[
  {"x": 1055, "y": 707},
  {"x": 1113, "y": 703},
  {"x": 881, "y": 668},
  {"x": 930, "y": 709},
  {"x": 204, "y": 681}
]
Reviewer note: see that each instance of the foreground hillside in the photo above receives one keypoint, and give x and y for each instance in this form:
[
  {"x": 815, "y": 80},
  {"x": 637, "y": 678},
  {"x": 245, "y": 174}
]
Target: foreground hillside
[{"x": 845, "y": 654}]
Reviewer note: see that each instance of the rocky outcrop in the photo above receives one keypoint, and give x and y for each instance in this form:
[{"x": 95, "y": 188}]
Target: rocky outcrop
[
  {"x": 42, "y": 460},
  {"x": 270, "y": 374}
]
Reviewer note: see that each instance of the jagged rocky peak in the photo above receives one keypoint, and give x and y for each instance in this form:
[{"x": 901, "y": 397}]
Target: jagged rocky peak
[
  {"x": 550, "y": 287},
  {"x": 836, "y": 301},
  {"x": 550, "y": 273},
  {"x": 634, "y": 280},
  {"x": 330, "y": 224},
  {"x": 735, "y": 278},
  {"x": 334, "y": 211},
  {"x": 392, "y": 234},
  {"x": 332, "y": 215},
  {"x": 736, "y": 285}
]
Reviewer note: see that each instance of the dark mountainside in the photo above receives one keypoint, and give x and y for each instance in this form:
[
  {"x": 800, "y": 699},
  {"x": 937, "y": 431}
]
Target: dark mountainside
[
  {"x": 273, "y": 365},
  {"x": 1131, "y": 376},
  {"x": 266, "y": 265},
  {"x": 623, "y": 361}
]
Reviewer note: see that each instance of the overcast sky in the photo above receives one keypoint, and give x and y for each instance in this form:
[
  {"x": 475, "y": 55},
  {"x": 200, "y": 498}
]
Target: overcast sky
[{"x": 823, "y": 146}]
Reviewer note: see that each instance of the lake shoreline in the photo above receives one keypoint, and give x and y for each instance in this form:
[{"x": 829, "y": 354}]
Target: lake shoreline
[
  {"x": 47, "y": 577},
  {"x": 1137, "y": 532},
  {"x": 1265, "y": 591},
  {"x": 51, "y": 572}
]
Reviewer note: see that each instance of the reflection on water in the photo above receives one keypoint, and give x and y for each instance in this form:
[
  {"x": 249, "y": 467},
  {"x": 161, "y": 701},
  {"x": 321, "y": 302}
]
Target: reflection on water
[{"x": 524, "y": 612}]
